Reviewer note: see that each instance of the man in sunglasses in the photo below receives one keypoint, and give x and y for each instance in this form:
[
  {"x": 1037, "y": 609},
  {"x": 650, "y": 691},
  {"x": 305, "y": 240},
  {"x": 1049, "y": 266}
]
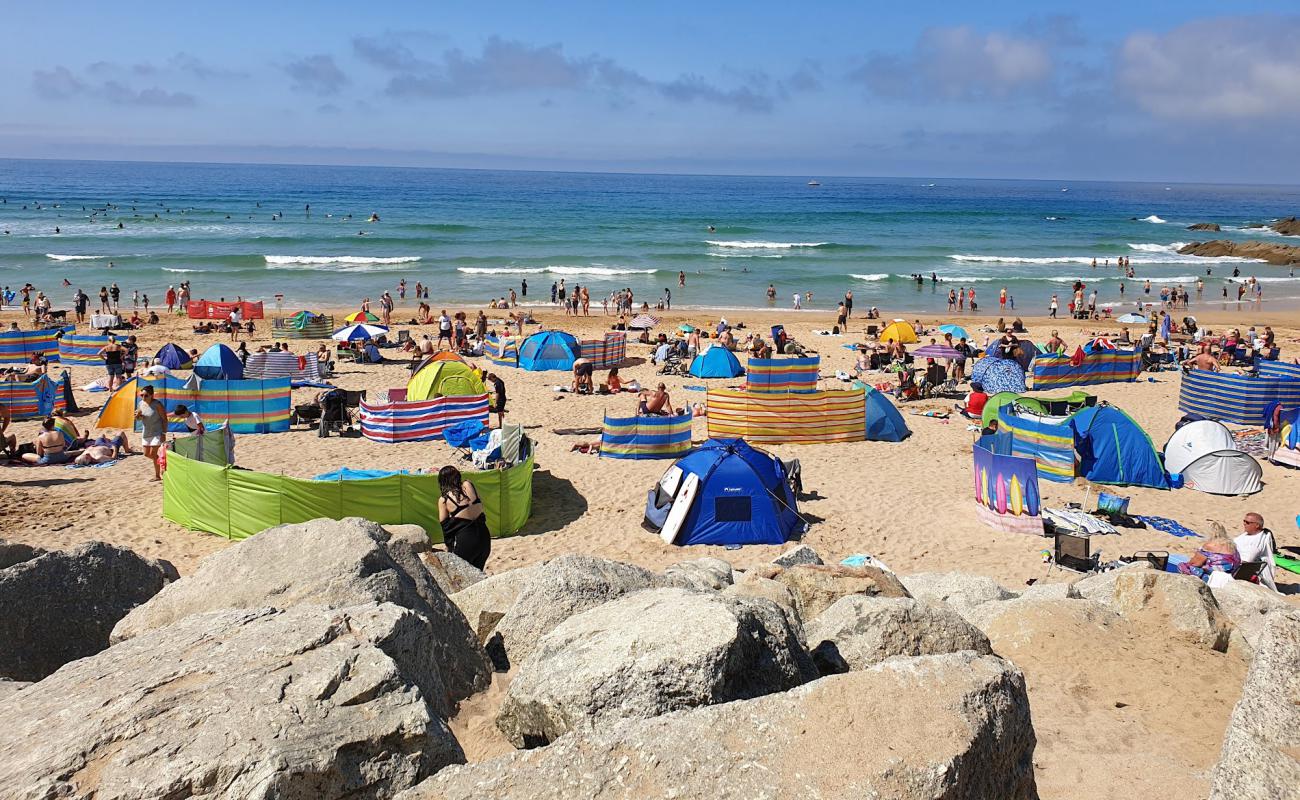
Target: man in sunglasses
[{"x": 1255, "y": 544}]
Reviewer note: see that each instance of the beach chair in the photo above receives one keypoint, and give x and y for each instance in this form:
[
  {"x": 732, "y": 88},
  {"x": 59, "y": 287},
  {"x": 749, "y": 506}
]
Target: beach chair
[
  {"x": 512, "y": 443},
  {"x": 873, "y": 331},
  {"x": 463, "y": 436},
  {"x": 403, "y": 336}
]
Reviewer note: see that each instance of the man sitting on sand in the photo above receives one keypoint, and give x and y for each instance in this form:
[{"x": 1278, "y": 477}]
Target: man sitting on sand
[
  {"x": 1202, "y": 360},
  {"x": 655, "y": 403}
]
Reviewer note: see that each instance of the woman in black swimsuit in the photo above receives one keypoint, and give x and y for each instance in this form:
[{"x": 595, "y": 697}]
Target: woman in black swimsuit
[{"x": 464, "y": 524}]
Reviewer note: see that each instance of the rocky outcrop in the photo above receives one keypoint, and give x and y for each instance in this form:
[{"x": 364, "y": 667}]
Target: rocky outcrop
[
  {"x": 1204, "y": 226},
  {"x": 1177, "y": 605},
  {"x": 332, "y": 563},
  {"x": 57, "y": 606},
  {"x": 959, "y": 590},
  {"x": 1272, "y": 252},
  {"x": 816, "y": 587},
  {"x": 304, "y": 702},
  {"x": 486, "y": 602},
  {"x": 561, "y": 588},
  {"x": 751, "y": 584},
  {"x": 10, "y": 688},
  {"x": 453, "y": 573},
  {"x": 857, "y": 632},
  {"x": 16, "y": 552},
  {"x": 649, "y": 653},
  {"x": 702, "y": 573},
  {"x": 803, "y": 554},
  {"x": 1287, "y": 227},
  {"x": 1247, "y": 605},
  {"x": 951, "y": 726},
  {"x": 1261, "y": 750},
  {"x": 1101, "y": 586}
]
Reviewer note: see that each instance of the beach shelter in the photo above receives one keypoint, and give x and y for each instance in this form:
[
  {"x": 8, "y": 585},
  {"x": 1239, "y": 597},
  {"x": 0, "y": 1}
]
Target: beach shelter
[
  {"x": 957, "y": 331},
  {"x": 999, "y": 375},
  {"x": 443, "y": 378},
  {"x": 359, "y": 331},
  {"x": 302, "y": 319},
  {"x": 173, "y": 356},
  {"x": 359, "y": 317},
  {"x": 724, "y": 492},
  {"x": 549, "y": 350},
  {"x": 884, "y": 423},
  {"x": 1204, "y": 454},
  {"x": 716, "y": 362},
  {"x": 1114, "y": 449},
  {"x": 219, "y": 362},
  {"x": 1132, "y": 319},
  {"x": 899, "y": 332}
]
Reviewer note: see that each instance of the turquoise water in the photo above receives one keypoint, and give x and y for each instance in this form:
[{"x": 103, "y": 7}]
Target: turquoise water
[{"x": 245, "y": 230}]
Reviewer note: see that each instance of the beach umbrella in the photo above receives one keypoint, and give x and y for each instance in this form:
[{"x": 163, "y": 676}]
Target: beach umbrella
[
  {"x": 360, "y": 316},
  {"x": 936, "y": 351},
  {"x": 352, "y": 333},
  {"x": 1133, "y": 319},
  {"x": 643, "y": 322},
  {"x": 957, "y": 331},
  {"x": 686, "y": 328}
]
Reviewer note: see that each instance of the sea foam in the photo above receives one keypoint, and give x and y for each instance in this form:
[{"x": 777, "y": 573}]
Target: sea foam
[
  {"x": 594, "y": 270},
  {"x": 875, "y": 276},
  {"x": 1153, "y": 219},
  {"x": 284, "y": 261},
  {"x": 764, "y": 245},
  {"x": 58, "y": 257}
]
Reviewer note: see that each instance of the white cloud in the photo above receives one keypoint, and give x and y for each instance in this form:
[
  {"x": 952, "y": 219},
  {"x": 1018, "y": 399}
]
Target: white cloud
[
  {"x": 1244, "y": 67},
  {"x": 960, "y": 63}
]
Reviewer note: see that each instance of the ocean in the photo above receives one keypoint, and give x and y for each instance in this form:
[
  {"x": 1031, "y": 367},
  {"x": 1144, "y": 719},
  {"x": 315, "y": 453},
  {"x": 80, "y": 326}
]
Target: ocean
[{"x": 256, "y": 231}]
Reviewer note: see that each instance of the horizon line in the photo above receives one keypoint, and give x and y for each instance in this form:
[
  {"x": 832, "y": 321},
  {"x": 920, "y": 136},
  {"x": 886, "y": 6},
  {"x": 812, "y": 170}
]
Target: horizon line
[{"x": 559, "y": 171}]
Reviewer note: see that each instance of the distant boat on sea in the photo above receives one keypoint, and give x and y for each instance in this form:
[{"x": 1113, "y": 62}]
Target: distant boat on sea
[{"x": 814, "y": 182}]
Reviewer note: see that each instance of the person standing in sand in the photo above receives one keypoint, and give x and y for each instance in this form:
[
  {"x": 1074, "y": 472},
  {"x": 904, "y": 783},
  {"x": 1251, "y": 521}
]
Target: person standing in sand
[
  {"x": 386, "y": 308},
  {"x": 152, "y": 416}
]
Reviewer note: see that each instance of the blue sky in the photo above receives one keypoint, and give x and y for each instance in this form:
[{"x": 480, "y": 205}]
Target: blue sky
[{"x": 1189, "y": 91}]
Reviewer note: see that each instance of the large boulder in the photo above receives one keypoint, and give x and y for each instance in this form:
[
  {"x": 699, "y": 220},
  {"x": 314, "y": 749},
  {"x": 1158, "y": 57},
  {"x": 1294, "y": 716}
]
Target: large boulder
[
  {"x": 1248, "y": 605},
  {"x": 1261, "y": 750},
  {"x": 816, "y": 587},
  {"x": 649, "y": 653},
  {"x": 304, "y": 702},
  {"x": 959, "y": 590},
  {"x": 1204, "y": 226},
  {"x": 484, "y": 603},
  {"x": 858, "y": 631},
  {"x": 57, "y": 606},
  {"x": 702, "y": 573},
  {"x": 951, "y": 726},
  {"x": 1178, "y": 605},
  {"x": 1101, "y": 586},
  {"x": 453, "y": 573},
  {"x": 563, "y": 587},
  {"x": 16, "y": 552},
  {"x": 1272, "y": 252},
  {"x": 803, "y": 554},
  {"x": 333, "y": 563},
  {"x": 752, "y": 584},
  {"x": 10, "y": 688}
]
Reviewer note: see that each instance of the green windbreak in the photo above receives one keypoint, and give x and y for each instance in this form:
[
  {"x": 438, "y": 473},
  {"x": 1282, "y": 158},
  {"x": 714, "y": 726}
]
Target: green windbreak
[{"x": 238, "y": 503}]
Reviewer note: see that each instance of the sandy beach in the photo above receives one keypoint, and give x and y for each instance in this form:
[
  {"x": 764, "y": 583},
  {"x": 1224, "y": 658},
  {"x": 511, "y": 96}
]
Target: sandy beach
[
  {"x": 909, "y": 504},
  {"x": 906, "y": 503}
]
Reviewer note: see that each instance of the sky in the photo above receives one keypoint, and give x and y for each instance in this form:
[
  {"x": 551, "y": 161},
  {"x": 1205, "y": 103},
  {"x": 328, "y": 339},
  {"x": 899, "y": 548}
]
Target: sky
[{"x": 1189, "y": 91}]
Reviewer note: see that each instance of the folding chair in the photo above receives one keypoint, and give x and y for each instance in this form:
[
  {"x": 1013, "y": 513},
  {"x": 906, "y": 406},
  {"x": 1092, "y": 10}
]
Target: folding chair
[
  {"x": 463, "y": 436},
  {"x": 873, "y": 330},
  {"x": 512, "y": 443},
  {"x": 403, "y": 336}
]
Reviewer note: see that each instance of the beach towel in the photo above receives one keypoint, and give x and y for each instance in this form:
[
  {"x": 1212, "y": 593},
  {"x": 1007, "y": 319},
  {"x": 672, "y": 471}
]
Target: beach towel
[
  {"x": 1288, "y": 564},
  {"x": 106, "y": 464},
  {"x": 1166, "y": 525}
]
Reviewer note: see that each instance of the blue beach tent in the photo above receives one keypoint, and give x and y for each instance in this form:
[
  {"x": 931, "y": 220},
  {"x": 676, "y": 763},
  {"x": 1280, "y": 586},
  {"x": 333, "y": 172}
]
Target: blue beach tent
[
  {"x": 549, "y": 350},
  {"x": 742, "y": 496},
  {"x": 884, "y": 423},
  {"x": 219, "y": 362},
  {"x": 716, "y": 362},
  {"x": 173, "y": 357},
  {"x": 1114, "y": 449}
]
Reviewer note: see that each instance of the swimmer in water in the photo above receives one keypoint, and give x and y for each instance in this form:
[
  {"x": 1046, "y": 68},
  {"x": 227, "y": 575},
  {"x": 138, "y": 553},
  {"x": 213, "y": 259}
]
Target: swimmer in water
[{"x": 712, "y": 229}]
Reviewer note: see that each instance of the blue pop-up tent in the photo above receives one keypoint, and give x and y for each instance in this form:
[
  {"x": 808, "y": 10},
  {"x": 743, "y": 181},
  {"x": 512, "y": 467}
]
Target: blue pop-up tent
[
  {"x": 742, "y": 497},
  {"x": 884, "y": 423},
  {"x": 173, "y": 356},
  {"x": 716, "y": 362},
  {"x": 549, "y": 350},
  {"x": 1114, "y": 449},
  {"x": 219, "y": 362}
]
